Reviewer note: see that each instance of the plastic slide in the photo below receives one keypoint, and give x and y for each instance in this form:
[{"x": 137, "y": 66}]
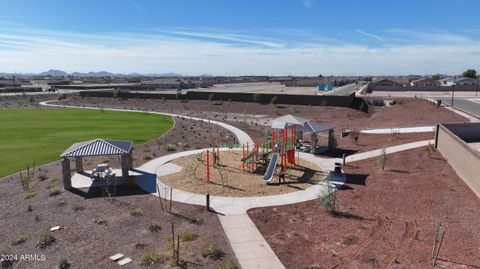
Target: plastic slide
[{"x": 271, "y": 168}]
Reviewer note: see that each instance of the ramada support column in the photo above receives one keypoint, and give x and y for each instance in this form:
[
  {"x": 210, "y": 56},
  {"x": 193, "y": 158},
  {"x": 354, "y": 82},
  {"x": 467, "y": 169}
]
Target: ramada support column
[
  {"x": 125, "y": 166},
  {"x": 130, "y": 160},
  {"x": 79, "y": 164},
  {"x": 67, "y": 176}
]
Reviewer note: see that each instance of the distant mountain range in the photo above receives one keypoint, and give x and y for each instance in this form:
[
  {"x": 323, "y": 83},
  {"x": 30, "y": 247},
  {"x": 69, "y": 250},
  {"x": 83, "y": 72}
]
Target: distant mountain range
[{"x": 60, "y": 73}]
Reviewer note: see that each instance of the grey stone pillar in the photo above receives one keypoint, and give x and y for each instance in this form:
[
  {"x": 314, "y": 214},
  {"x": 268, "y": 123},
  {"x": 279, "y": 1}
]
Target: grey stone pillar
[
  {"x": 125, "y": 164},
  {"x": 67, "y": 176},
  {"x": 79, "y": 164},
  {"x": 130, "y": 160}
]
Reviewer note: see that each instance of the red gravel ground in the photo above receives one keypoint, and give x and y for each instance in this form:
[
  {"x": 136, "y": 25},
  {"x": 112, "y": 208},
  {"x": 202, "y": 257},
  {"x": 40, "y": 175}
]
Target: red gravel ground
[{"x": 385, "y": 219}]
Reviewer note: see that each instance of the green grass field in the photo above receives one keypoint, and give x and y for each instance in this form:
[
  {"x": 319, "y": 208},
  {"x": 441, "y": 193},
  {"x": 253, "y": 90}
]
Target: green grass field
[{"x": 41, "y": 135}]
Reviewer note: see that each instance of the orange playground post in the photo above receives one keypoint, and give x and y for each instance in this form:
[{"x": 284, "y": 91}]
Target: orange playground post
[{"x": 208, "y": 166}]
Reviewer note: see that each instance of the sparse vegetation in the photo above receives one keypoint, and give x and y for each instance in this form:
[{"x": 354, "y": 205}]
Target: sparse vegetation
[
  {"x": 274, "y": 100},
  {"x": 188, "y": 236},
  {"x": 211, "y": 96},
  {"x": 45, "y": 240},
  {"x": 61, "y": 97},
  {"x": 212, "y": 251},
  {"x": 153, "y": 226},
  {"x": 64, "y": 264},
  {"x": 54, "y": 191},
  {"x": 152, "y": 257},
  {"x": 18, "y": 239}
]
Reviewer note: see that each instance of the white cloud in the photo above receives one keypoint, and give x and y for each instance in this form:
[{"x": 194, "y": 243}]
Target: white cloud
[
  {"x": 308, "y": 3},
  {"x": 376, "y": 37},
  {"x": 192, "y": 52}
]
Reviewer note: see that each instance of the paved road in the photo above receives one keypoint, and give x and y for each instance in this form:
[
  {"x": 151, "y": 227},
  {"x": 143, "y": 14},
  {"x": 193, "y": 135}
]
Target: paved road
[
  {"x": 345, "y": 90},
  {"x": 470, "y": 105}
]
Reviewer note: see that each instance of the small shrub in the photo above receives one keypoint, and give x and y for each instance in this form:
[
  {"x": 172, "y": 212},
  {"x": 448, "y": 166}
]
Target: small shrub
[
  {"x": 116, "y": 93},
  {"x": 147, "y": 157},
  {"x": 61, "y": 203},
  {"x": 171, "y": 148},
  {"x": 153, "y": 226},
  {"x": 228, "y": 264},
  {"x": 45, "y": 240},
  {"x": 274, "y": 100},
  {"x": 382, "y": 159},
  {"x": 31, "y": 99},
  {"x": 18, "y": 239},
  {"x": 188, "y": 236},
  {"x": 151, "y": 258},
  {"x": 355, "y": 136},
  {"x": 61, "y": 97},
  {"x": 212, "y": 251},
  {"x": 29, "y": 208},
  {"x": 63, "y": 264},
  {"x": 211, "y": 96},
  {"x": 256, "y": 97},
  {"x": 30, "y": 194},
  {"x": 136, "y": 213},
  {"x": 54, "y": 191}
]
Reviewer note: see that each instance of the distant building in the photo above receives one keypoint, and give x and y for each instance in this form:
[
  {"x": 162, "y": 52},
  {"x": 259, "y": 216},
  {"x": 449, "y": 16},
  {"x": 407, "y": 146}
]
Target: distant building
[
  {"x": 462, "y": 81},
  {"x": 387, "y": 82},
  {"x": 425, "y": 82}
]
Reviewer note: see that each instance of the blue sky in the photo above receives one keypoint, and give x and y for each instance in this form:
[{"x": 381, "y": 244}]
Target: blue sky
[{"x": 301, "y": 37}]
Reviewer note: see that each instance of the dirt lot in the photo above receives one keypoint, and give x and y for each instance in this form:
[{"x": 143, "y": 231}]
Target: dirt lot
[
  {"x": 239, "y": 184},
  {"x": 384, "y": 219}
]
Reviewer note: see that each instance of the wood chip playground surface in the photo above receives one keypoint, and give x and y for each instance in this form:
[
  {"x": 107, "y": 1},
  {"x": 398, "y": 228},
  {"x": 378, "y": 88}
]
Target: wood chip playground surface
[{"x": 237, "y": 183}]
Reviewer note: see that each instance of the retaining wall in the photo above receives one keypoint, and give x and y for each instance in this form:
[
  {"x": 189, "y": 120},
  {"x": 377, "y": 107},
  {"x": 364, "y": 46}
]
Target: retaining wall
[
  {"x": 459, "y": 88},
  {"x": 450, "y": 141},
  {"x": 287, "y": 99}
]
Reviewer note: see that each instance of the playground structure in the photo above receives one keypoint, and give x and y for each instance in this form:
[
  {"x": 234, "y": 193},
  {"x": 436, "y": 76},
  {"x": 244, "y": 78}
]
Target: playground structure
[
  {"x": 211, "y": 160},
  {"x": 279, "y": 147}
]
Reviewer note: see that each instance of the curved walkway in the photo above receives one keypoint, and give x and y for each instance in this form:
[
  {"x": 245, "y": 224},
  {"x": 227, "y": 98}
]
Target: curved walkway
[
  {"x": 248, "y": 244},
  {"x": 242, "y": 136}
]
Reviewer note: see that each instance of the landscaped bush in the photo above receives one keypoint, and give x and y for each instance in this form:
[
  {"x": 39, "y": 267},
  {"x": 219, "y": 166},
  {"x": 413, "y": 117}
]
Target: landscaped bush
[
  {"x": 62, "y": 97},
  {"x": 18, "y": 239},
  {"x": 153, "y": 226},
  {"x": 228, "y": 264},
  {"x": 64, "y": 264},
  {"x": 136, "y": 213},
  {"x": 45, "y": 240},
  {"x": 30, "y": 194},
  {"x": 171, "y": 148},
  {"x": 188, "y": 236},
  {"x": 212, "y": 251},
  {"x": 151, "y": 258},
  {"x": 211, "y": 96},
  {"x": 54, "y": 191}
]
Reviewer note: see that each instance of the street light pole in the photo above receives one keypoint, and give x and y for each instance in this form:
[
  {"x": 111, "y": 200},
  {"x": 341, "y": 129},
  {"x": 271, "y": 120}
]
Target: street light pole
[{"x": 453, "y": 90}]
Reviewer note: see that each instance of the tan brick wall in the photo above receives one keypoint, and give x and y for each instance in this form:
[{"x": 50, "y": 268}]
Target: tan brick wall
[{"x": 464, "y": 159}]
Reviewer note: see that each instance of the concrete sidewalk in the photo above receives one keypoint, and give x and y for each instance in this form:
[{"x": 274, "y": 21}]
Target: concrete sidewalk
[
  {"x": 247, "y": 242},
  {"x": 389, "y": 150},
  {"x": 399, "y": 130}
]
